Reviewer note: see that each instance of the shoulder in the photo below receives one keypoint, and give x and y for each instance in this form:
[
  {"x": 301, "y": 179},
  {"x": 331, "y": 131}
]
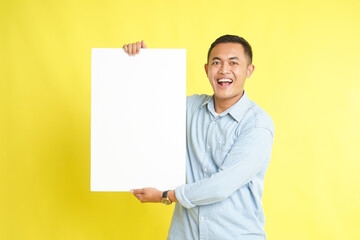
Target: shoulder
[
  {"x": 259, "y": 118},
  {"x": 195, "y": 101}
]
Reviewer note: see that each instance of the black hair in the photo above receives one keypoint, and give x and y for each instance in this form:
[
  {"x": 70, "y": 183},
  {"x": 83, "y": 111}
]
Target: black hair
[{"x": 233, "y": 39}]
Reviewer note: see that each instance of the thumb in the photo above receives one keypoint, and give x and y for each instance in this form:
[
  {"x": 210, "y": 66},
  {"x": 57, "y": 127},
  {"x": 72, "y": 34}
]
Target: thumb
[
  {"x": 143, "y": 45},
  {"x": 137, "y": 191}
]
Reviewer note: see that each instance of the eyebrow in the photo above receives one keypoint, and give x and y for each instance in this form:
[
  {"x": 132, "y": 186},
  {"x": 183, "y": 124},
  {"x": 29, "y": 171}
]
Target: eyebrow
[
  {"x": 230, "y": 58},
  {"x": 216, "y": 58}
]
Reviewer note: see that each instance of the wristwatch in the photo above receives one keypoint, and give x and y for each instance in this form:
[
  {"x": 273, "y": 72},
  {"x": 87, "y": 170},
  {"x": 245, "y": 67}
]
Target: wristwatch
[{"x": 165, "y": 199}]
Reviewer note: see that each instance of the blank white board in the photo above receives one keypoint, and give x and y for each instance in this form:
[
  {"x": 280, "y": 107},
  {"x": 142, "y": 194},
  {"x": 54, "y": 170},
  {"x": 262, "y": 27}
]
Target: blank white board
[{"x": 137, "y": 119}]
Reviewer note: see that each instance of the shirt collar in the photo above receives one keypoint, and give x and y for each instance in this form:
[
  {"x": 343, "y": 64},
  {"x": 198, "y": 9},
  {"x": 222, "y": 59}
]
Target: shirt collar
[{"x": 236, "y": 111}]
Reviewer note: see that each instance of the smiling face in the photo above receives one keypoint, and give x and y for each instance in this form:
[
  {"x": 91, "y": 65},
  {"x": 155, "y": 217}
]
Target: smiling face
[{"x": 227, "y": 69}]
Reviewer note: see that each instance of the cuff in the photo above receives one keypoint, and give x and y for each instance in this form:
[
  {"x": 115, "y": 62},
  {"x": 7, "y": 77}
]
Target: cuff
[{"x": 183, "y": 200}]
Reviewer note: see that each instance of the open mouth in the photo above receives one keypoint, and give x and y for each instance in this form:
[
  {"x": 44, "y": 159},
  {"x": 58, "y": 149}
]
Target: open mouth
[{"x": 224, "y": 82}]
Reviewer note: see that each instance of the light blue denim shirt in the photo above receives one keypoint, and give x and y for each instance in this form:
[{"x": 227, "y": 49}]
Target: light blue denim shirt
[{"x": 227, "y": 157}]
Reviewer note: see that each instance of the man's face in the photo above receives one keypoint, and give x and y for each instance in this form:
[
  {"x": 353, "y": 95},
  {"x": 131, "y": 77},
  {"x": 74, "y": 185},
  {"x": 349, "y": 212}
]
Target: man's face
[{"x": 227, "y": 69}]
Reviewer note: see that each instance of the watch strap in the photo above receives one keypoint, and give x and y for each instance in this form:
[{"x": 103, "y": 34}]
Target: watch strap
[
  {"x": 165, "y": 193},
  {"x": 165, "y": 199}
]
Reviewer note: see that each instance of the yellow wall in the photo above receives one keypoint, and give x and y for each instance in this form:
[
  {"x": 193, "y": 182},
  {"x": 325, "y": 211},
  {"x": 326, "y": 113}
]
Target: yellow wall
[{"x": 307, "y": 77}]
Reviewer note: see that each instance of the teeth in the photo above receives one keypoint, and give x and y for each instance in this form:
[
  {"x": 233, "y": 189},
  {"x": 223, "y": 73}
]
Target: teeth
[{"x": 224, "y": 80}]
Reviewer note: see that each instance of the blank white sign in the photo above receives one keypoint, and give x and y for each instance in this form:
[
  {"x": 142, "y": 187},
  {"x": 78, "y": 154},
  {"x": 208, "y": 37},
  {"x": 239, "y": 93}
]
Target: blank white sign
[{"x": 137, "y": 119}]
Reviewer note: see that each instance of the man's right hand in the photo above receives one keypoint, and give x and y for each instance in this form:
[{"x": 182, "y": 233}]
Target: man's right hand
[{"x": 134, "y": 48}]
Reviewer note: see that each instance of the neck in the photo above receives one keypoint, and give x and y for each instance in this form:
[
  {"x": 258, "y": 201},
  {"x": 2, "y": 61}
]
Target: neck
[{"x": 222, "y": 104}]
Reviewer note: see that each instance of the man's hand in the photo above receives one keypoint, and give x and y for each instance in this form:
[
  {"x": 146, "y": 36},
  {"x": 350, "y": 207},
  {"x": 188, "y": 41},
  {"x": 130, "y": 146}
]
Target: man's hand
[
  {"x": 134, "y": 48},
  {"x": 147, "y": 195}
]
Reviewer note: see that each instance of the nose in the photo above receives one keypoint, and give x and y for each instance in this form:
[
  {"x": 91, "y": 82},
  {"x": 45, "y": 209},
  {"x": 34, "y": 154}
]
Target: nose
[{"x": 225, "y": 68}]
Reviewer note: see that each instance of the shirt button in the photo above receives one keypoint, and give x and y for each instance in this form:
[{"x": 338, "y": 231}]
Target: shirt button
[
  {"x": 202, "y": 218},
  {"x": 205, "y": 169},
  {"x": 208, "y": 147},
  {"x": 213, "y": 122}
]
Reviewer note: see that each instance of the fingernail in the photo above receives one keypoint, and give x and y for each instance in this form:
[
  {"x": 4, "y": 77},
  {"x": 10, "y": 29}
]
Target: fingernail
[{"x": 132, "y": 191}]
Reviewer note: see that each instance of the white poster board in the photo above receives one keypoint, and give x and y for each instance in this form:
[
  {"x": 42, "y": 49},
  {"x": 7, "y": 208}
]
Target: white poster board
[{"x": 138, "y": 109}]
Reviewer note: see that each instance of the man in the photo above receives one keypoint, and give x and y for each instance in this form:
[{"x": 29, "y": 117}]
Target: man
[{"x": 229, "y": 142}]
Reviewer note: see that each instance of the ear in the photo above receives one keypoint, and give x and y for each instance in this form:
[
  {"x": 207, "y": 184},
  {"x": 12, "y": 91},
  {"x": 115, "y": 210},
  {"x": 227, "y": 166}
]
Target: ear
[
  {"x": 250, "y": 70},
  {"x": 206, "y": 68}
]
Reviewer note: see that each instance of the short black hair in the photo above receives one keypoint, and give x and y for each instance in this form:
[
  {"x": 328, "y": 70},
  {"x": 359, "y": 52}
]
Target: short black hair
[{"x": 233, "y": 39}]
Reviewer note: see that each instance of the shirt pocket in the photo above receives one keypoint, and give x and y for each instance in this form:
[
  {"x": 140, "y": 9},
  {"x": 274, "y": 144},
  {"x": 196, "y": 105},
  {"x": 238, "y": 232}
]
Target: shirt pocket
[{"x": 222, "y": 151}]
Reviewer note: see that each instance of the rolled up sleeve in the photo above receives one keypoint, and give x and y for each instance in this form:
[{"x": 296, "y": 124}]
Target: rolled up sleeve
[{"x": 248, "y": 156}]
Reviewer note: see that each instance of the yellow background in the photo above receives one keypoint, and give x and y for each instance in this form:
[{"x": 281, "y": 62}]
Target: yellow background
[{"x": 307, "y": 78}]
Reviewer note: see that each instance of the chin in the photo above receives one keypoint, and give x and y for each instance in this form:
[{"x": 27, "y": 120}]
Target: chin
[{"x": 221, "y": 96}]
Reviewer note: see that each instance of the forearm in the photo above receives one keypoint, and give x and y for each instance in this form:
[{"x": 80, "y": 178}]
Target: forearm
[
  {"x": 242, "y": 164},
  {"x": 214, "y": 189}
]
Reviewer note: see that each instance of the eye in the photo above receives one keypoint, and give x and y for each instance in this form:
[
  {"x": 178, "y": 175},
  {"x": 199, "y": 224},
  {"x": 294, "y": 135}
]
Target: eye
[
  {"x": 233, "y": 63},
  {"x": 216, "y": 63}
]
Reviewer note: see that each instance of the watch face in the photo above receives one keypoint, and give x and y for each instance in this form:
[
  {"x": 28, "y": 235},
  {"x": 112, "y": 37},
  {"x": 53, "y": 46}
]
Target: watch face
[{"x": 166, "y": 201}]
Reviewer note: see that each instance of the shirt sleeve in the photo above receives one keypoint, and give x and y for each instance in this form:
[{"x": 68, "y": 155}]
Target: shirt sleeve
[{"x": 248, "y": 156}]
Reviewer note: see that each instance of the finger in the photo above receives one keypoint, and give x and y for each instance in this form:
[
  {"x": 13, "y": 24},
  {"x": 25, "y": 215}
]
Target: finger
[
  {"x": 129, "y": 49},
  {"x": 133, "y": 50},
  {"x": 137, "y": 191},
  {"x": 143, "y": 45},
  {"x": 138, "y": 46},
  {"x": 140, "y": 197},
  {"x": 125, "y": 47}
]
